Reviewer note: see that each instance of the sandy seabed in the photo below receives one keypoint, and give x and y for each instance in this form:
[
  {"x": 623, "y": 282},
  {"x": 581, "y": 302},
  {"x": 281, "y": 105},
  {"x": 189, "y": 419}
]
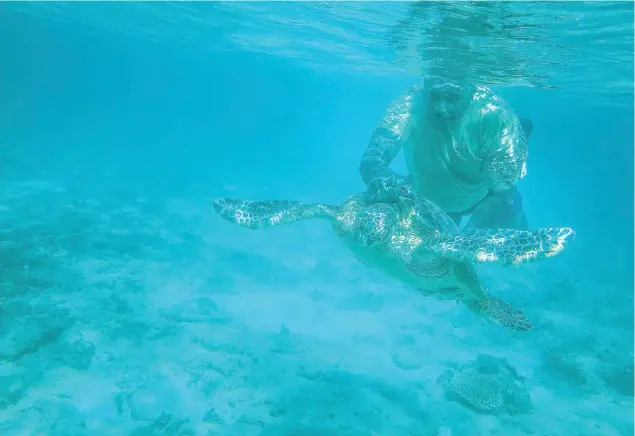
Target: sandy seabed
[{"x": 124, "y": 315}]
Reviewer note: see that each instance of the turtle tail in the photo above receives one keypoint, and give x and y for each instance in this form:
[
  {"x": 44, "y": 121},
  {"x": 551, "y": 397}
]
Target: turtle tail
[
  {"x": 507, "y": 247},
  {"x": 269, "y": 213}
]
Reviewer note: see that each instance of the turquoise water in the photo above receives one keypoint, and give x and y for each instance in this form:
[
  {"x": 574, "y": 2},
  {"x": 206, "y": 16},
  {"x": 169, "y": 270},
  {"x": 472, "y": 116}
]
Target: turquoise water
[{"x": 127, "y": 306}]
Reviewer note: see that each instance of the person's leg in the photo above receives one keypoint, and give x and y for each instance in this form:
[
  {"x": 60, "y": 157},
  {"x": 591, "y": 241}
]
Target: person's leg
[
  {"x": 528, "y": 127},
  {"x": 499, "y": 210},
  {"x": 456, "y": 217}
]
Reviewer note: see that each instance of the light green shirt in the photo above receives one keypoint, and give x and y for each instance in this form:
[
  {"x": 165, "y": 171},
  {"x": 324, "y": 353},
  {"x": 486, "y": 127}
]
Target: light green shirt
[{"x": 453, "y": 163}]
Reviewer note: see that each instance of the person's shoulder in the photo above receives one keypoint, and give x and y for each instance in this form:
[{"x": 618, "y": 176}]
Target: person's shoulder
[
  {"x": 413, "y": 97},
  {"x": 417, "y": 90},
  {"x": 492, "y": 107},
  {"x": 485, "y": 96}
]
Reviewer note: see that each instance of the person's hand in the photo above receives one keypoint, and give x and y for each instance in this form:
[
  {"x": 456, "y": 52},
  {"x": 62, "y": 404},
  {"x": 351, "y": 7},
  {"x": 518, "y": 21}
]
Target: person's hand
[
  {"x": 391, "y": 189},
  {"x": 406, "y": 189}
]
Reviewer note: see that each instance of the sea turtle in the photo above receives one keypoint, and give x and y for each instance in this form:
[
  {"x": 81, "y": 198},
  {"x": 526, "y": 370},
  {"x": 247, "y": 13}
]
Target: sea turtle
[{"x": 417, "y": 243}]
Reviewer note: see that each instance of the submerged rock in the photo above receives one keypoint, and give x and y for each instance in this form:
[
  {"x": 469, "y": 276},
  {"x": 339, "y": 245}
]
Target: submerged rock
[
  {"x": 49, "y": 417},
  {"x": 149, "y": 402},
  {"x": 165, "y": 425},
  {"x": 77, "y": 354},
  {"x": 620, "y": 379},
  {"x": 12, "y": 388},
  {"x": 195, "y": 310},
  {"x": 488, "y": 385},
  {"x": 26, "y": 329}
]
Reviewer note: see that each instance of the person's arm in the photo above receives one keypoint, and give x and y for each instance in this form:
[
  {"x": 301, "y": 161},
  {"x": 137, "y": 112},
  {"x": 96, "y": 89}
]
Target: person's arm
[
  {"x": 506, "y": 151},
  {"x": 505, "y": 158},
  {"x": 394, "y": 129}
]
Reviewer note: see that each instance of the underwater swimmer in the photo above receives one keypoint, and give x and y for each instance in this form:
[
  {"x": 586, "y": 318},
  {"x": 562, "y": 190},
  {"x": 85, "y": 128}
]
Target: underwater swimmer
[{"x": 465, "y": 150}]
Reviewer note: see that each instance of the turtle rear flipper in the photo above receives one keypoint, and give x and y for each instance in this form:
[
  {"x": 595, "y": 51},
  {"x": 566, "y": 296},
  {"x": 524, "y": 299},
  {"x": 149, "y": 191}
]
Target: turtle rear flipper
[
  {"x": 501, "y": 313},
  {"x": 269, "y": 213},
  {"x": 507, "y": 247}
]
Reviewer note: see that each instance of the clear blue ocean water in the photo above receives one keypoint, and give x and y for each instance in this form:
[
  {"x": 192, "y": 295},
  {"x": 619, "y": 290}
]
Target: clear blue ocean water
[{"x": 128, "y": 307}]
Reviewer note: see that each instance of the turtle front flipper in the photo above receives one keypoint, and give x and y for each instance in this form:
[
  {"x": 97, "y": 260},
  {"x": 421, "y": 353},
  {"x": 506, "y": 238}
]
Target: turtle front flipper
[
  {"x": 269, "y": 213},
  {"x": 500, "y": 312},
  {"x": 507, "y": 247}
]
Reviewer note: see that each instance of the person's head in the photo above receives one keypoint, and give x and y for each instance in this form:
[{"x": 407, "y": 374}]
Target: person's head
[{"x": 447, "y": 102}]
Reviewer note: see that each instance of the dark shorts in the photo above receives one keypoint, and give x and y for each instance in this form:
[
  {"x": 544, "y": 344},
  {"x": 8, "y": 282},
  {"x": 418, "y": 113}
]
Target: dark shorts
[{"x": 509, "y": 208}]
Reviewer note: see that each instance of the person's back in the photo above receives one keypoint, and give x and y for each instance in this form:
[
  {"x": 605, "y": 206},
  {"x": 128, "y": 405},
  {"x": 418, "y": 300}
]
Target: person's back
[{"x": 462, "y": 144}]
